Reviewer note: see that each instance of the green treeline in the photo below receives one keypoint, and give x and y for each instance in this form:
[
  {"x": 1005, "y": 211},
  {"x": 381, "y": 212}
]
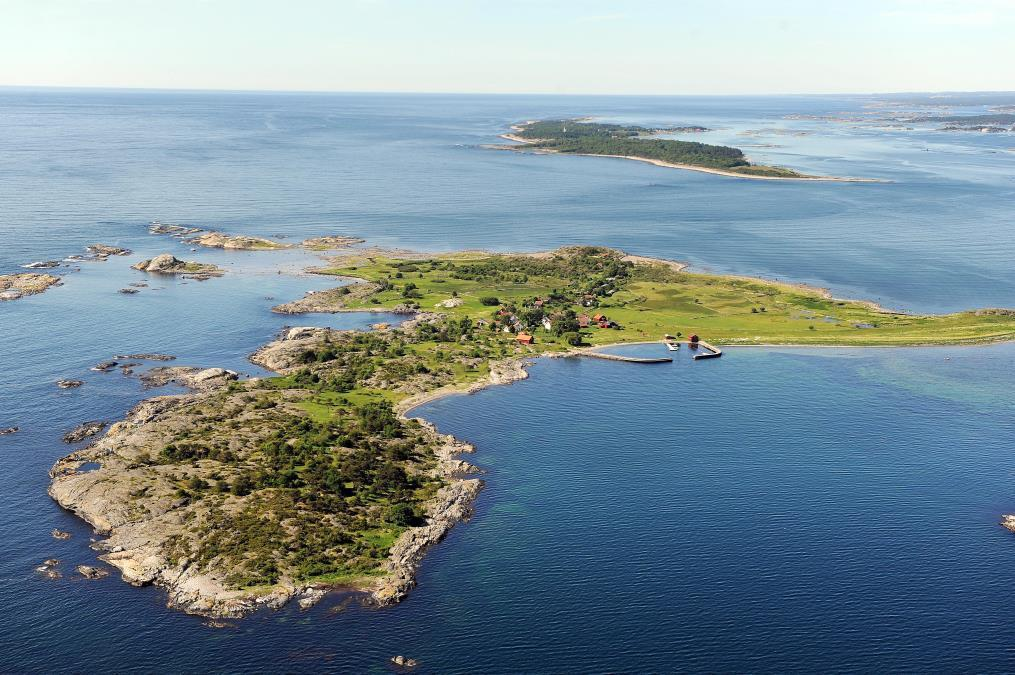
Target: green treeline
[{"x": 593, "y": 138}]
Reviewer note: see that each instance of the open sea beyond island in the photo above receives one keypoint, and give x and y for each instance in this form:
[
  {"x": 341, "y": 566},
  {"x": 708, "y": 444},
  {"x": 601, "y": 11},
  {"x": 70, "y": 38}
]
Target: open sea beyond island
[{"x": 774, "y": 510}]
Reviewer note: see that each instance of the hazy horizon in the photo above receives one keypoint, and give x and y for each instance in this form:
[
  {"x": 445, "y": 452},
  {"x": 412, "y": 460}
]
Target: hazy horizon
[{"x": 597, "y": 47}]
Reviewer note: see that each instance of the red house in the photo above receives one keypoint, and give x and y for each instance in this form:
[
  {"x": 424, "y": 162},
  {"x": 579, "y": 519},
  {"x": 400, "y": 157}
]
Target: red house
[{"x": 525, "y": 338}]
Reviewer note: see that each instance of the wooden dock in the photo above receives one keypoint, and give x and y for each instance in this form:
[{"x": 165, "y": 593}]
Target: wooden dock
[
  {"x": 710, "y": 352},
  {"x": 627, "y": 359}
]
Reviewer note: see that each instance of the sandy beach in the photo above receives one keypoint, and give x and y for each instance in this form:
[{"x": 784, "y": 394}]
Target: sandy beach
[{"x": 687, "y": 167}]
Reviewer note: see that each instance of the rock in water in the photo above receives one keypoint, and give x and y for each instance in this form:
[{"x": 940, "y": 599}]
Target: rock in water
[
  {"x": 48, "y": 569},
  {"x": 14, "y": 286},
  {"x": 146, "y": 356},
  {"x": 83, "y": 431},
  {"x": 1008, "y": 522},
  {"x": 89, "y": 572},
  {"x": 104, "y": 251},
  {"x": 403, "y": 662},
  {"x": 42, "y": 265},
  {"x": 167, "y": 263},
  {"x": 105, "y": 365},
  {"x": 69, "y": 384},
  {"x": 9, "y": 430},
  {"x": 60, "y": 534}
]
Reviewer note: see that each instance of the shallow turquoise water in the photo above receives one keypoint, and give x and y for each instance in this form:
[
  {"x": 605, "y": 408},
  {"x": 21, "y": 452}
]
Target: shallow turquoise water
[{"x": 773, "y": 510}]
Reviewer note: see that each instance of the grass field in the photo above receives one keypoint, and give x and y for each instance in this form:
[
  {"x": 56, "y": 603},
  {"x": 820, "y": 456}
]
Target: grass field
[{"x": 656, "y": 299}]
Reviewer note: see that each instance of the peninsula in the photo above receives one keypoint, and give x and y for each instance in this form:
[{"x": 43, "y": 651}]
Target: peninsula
[
  {"x": 582, "y": 137},
  {"x": 244, "y": 494}
]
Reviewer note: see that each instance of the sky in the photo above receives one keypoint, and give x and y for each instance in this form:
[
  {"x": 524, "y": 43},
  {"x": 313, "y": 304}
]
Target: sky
[{"x": 512, "y": 46}]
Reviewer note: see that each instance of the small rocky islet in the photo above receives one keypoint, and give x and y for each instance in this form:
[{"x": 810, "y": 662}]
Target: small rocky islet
[
  {"x": 169, "y": 264},
  {"x": 16, "y": 286}
]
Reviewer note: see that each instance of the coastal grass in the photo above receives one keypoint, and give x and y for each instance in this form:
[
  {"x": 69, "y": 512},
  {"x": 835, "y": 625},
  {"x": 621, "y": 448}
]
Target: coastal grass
[{"x": 657, "y": 300}]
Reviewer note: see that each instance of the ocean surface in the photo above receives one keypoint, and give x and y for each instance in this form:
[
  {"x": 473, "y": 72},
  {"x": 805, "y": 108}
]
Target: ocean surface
[{"x": 774, "y": 510}]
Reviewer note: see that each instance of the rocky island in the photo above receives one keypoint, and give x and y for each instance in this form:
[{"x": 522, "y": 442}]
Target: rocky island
[
  {"x": 14, "y": 286},
  {"x": 169, "y": 264},
  {"x": 244, "y": 494},
  {"x": 583, "y": 137},
  {"x": 237, "y": 242},
  {"x": 330, "y": 242}
]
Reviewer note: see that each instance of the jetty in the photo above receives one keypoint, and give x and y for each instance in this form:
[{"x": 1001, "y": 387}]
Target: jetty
[
  {"x": 628, "y": 359},
  {"x": 710, "y": 351}
]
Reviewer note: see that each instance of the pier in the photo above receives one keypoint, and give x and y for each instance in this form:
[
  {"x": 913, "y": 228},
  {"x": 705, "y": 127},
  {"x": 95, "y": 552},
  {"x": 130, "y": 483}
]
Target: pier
[
  {"x": 710, "y": 352},
  {"x": 628, "y": 359}
]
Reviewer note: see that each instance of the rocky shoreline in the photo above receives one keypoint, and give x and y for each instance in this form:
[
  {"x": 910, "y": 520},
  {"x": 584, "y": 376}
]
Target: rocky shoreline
[{"x": 136, "y": 534}]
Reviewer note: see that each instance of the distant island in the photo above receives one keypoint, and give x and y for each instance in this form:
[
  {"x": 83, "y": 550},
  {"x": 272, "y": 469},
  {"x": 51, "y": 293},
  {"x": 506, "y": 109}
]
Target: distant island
[
  {"x": 582, "y": 137},
  {"x": 246, "y": 494}
]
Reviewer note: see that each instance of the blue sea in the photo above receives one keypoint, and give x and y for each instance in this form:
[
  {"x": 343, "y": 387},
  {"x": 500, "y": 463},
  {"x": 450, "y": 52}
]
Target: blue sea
[{"x": 774, "y": 510}]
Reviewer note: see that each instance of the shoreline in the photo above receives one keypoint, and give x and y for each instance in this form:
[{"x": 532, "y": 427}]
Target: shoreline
[
  {"x": 671, "y": 165},
  {"x": 198, "y": 592}
]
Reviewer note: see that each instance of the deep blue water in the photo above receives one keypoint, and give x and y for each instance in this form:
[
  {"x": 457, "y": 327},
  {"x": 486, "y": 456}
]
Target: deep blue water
[{"x": 774, "y": 510}]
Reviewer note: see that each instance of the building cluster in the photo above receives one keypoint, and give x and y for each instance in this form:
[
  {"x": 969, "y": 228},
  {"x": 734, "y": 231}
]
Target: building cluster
[{"x": 538, "y": 312}]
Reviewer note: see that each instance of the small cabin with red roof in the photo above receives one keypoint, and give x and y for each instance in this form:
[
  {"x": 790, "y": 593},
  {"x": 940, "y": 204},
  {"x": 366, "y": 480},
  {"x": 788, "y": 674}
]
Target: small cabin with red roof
[{"x": 525, "y": 339}]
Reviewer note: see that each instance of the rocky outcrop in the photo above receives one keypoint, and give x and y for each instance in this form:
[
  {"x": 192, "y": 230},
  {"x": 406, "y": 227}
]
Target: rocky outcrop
[
  {"x": 329, "y": 301},
  {"x": 147, "y": 356},
  {"x": 60, "y": 534},
  {"x": 170, "y": 264},
  {"x": 331, "y": 242},
  {"x": 7, "y": 431},
  {"x": 103, "y": 251},
  {"x": 49, "y": 569},
  {"x": 105, "y": 366},
  {"x": 285, "y": 353},
  {"x": 42, "y": 265},
  {"x": 404, "y": 662},
  {"x": 192, "y": 378},
  {"x": 69, "y": 384},
  {"x": 89, "y": 572},
  {"x": 14, "y": 286},
  {"x": 84, "y": 430},
  {"x": 237, "y": 242},
  {"x": 172, "y": 230}
]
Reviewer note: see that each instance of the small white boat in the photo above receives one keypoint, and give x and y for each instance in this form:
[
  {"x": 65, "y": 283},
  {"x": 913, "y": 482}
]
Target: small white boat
[{"x": 673, "y": 346}]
